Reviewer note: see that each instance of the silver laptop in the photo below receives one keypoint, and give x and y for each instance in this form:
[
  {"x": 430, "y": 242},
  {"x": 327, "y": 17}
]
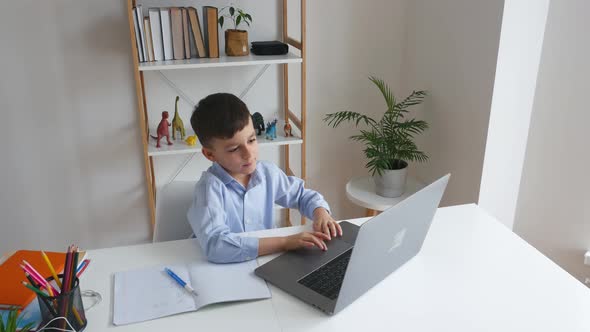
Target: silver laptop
[{"x": 330, "y": 280}]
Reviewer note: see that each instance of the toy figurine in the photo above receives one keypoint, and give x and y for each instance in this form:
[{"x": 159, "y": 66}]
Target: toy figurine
[
  {"x": 163, "y": 130},
  {"x": 258, "y": 122},
  {"x": 177, "y": 124},
  {"x": 271, "y": 130},
  {"x": 287, "y": 128},
  {"x": 191, "y": 140}
]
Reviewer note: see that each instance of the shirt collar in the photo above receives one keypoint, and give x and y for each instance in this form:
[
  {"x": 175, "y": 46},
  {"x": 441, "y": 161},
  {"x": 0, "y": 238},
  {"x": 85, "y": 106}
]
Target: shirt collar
[
  {"x": 221, "y": 173},
  {"x": 226, "y": 178}
]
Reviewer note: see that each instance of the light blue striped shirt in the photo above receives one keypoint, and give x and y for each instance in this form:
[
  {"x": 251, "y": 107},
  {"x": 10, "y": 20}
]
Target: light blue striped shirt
[{"x": 222, "y": 209}]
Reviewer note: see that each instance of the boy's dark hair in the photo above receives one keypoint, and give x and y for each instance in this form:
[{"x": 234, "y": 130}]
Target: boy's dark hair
[{"x": 219, "y": 115}]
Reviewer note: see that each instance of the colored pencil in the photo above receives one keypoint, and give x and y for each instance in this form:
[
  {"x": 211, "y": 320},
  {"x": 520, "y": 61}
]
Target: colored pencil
[
  {"x": 68, "y": 264},
  {"x": 50, "y": 266},
  {"x": 34, "y": 289},
  {"x": 37, "y": 276},
  {"x": 74, "y": 267},
  {"x": 78, "y": 318},
  {"x": 42, "y": 296},
  {"x": 83, "y": 267}
]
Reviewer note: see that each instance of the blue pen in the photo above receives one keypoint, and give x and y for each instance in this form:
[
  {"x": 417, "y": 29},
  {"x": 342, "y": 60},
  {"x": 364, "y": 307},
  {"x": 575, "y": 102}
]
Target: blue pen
[{"x": 180, "y": 281}]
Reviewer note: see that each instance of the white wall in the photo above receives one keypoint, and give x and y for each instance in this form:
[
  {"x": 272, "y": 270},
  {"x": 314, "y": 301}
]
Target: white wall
[
  {"x": 450, "y": 50},
  {"x": 347, "y": 42},
  {"x": 553, "y": 211},
  {"x": 523, "y": 28},
  {"x": 71, "y": 167}
]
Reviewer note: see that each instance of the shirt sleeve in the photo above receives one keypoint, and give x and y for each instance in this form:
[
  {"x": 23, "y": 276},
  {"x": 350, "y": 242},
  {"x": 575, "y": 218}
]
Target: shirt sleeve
[
  {"x": 208, "y": 221},
  {"x": 290, "y": 192}
]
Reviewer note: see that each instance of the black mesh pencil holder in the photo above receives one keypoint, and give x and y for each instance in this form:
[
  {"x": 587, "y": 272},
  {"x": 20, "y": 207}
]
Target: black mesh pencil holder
[{"x": 68, "y": 305}]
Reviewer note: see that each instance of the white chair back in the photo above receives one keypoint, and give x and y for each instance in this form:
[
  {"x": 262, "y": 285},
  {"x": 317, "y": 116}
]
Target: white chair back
[{"x": 172, "y": 203}]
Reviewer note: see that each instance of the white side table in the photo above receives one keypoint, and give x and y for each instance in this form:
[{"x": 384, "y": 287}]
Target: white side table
[{"x": 361, "y": 191}]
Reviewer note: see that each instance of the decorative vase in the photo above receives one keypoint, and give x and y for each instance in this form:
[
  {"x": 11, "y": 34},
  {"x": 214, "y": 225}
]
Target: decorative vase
[
  {"x": 236, "y": 42},
  {"x": 391, "y": 182}
]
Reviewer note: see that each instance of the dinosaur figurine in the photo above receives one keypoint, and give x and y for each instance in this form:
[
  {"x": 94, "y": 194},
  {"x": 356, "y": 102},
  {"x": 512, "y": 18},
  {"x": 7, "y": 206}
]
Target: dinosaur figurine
[
  {"x": 191, "y": 140},
  {"x": 258, "y": 122},
  {"x": 163, "y": 130},
  {"x": 271, "y": 130},
  {"x": 287, "y": 129},
  {"x": 177, "y": 124}
]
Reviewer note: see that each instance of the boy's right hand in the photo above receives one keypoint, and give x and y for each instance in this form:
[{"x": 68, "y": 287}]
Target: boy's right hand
[{"x": 307, "y": 240}]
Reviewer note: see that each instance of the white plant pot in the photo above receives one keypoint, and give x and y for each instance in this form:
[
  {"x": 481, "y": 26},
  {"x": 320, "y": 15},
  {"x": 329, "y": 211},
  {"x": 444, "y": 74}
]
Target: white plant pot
[{"x": 391, "y": 183}]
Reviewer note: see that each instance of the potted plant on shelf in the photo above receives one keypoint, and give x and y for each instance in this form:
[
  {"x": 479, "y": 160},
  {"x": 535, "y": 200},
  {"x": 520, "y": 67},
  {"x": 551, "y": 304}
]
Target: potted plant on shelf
[
  {"x": 236, "y": 41},
  {"x": 389, "y": 144}
]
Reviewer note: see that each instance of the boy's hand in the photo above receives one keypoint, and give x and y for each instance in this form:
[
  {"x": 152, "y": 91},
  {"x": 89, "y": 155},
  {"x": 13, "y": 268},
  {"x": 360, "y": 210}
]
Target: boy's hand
[
  {"x": 306, "y": 240},
  {"x": 323, "y": 222}
]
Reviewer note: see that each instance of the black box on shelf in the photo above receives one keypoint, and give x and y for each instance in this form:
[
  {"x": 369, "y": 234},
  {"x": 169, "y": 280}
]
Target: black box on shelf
[{"x": 274, "y": 47}]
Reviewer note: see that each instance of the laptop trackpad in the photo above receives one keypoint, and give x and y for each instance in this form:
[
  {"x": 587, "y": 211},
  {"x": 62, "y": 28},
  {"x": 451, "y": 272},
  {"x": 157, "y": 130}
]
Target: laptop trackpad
[{"x": 303, "y": 261}]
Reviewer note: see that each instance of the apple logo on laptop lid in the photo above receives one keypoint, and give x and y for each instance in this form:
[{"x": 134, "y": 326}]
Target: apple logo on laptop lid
[{"x": 398, "y": 239}]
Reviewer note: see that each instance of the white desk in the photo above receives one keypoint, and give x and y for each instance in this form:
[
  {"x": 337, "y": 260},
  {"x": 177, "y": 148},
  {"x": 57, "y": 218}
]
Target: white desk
[{"x": 472, "y": 274}]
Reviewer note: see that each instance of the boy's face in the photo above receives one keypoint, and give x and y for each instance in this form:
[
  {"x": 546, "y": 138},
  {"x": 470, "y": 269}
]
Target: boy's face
[{"x": 237, "y": 154}]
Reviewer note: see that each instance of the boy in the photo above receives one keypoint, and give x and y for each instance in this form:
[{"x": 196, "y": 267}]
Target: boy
[{"x": 237, "y": 193}]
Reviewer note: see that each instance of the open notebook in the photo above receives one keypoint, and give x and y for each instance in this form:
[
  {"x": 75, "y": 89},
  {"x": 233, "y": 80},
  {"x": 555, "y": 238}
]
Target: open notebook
[{"x": 150, "y": 293}]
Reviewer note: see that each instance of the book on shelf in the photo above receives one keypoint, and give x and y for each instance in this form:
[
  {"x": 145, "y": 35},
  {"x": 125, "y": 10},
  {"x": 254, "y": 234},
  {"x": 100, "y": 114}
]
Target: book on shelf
[
  {"x": 156, "y": 30},
  {"x": 137, "y": 36},
  {"x": 148, "y": 38},
  {"x": 211, "y": 32},
  {"x": 177, "y": 38},
  {"x": 191, "y": 39},
  {"x": 196, "y": 35},
  {"x": 187, "y": 45},
  {"x": 166, "y": 33},
  {"x": 138, "y": 13}
]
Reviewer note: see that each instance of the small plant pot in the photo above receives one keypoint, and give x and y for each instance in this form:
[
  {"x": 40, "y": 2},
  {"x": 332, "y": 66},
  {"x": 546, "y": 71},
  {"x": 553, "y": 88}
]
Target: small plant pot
[
  {"x": 236, "y": 42},
  {"x": 391, "y": 182}
]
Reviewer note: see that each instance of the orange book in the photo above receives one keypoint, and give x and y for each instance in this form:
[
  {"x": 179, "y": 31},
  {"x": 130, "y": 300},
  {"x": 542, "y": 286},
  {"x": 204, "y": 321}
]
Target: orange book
[
  {"x": 196, "y": 29},
  {"x": 211, "y": 32},
  {"x": 12, "y": 292},
  {"x": 177, "y": 37}
]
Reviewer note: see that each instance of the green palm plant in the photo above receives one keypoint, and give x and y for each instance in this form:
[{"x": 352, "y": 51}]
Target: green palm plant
[
  {"x": 388, "y": 142},
  {"x": 12, "y": 322}
]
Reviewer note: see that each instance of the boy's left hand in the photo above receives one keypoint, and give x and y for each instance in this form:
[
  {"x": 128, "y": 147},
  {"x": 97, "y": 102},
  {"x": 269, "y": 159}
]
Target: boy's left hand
[{"x": 323, "y": 222}]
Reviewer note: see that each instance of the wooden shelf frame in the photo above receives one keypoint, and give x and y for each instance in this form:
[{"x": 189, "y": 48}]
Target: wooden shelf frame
[
  {"x": 223, "y": 61},
  {"x": 300, "y": 123}
]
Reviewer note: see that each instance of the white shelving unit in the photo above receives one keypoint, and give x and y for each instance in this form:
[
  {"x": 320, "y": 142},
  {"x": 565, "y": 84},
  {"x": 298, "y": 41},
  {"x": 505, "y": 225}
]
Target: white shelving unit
[
  {"x": 180, "y": 147},
  {"x": 223, "y": 61}
]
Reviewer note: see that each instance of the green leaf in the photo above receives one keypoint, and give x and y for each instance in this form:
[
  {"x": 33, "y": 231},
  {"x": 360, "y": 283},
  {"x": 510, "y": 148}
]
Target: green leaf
[
  {"x": 415, "y": 98},
  {"x": 249, "y": 17},
  {"x": 238, "y": 21},
  {"x": 11, "y": 322},
  {"x": 334, "y": 119},
  {"x": 27, "y": 327},
  {"x": 221, "y": 21},
  {"x": 385, "y": 91},
  {"x": 232, "y": 11},
  {"x": 2, "y": 328}
]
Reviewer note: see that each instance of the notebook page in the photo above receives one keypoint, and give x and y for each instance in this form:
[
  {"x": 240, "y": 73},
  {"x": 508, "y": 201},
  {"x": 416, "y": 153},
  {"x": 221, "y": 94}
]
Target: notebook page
[
  {"x": 226, "y": 282},
  {"x": 145, "y": 294}
]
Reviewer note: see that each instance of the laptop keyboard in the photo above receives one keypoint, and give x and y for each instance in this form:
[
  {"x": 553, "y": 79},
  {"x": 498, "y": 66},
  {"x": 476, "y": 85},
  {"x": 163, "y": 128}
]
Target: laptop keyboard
[{"x": 327, "y": 280}]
